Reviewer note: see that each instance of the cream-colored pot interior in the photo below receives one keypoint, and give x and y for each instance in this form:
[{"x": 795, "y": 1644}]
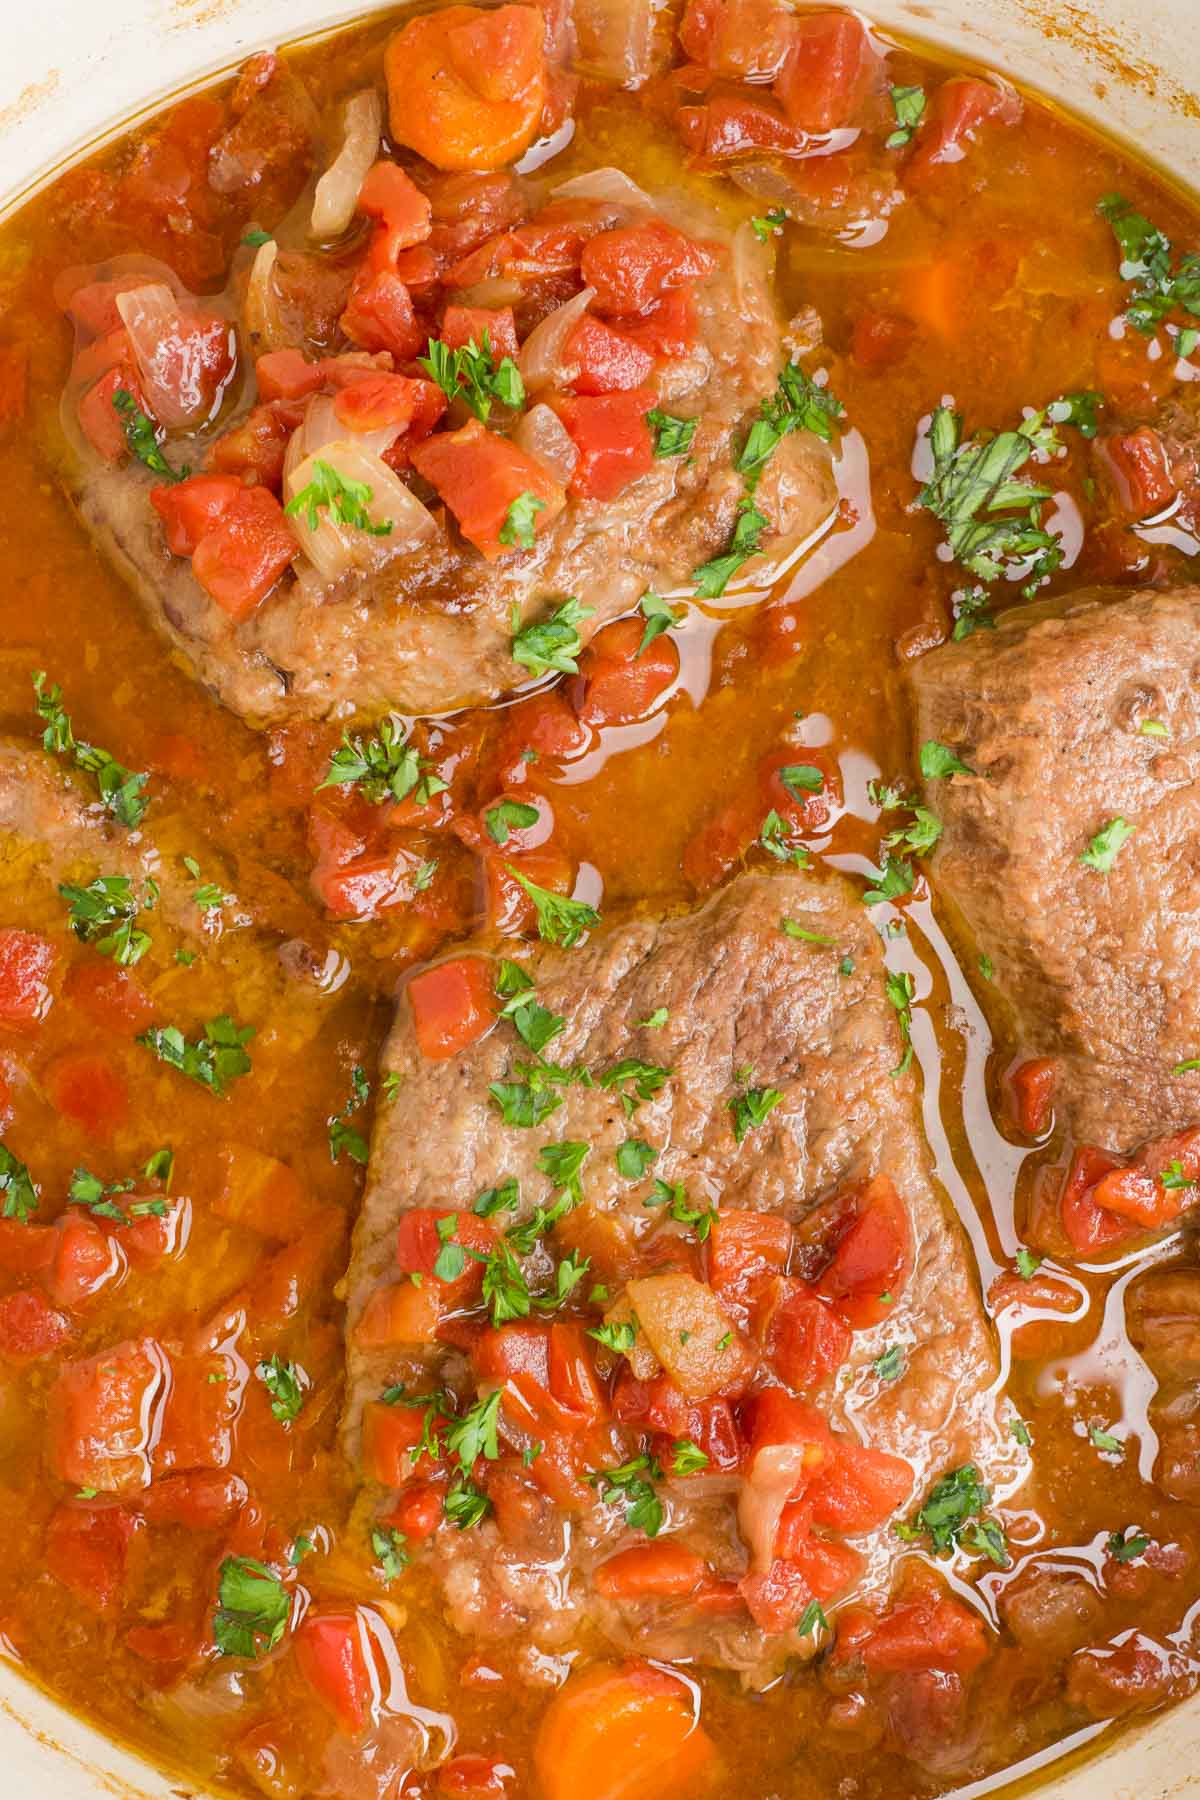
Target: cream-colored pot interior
[{"x": 74, "y": 70}]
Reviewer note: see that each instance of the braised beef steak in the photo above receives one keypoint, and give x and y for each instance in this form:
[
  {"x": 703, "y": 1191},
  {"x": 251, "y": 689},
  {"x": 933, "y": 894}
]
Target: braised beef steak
[
  {"x": 725, "y": 1000},
  {"x": 1074, "y": 713}
]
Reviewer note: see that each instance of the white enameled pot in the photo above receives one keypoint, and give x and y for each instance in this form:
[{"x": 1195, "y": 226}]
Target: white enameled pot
[{"x": 73, "y": 71}]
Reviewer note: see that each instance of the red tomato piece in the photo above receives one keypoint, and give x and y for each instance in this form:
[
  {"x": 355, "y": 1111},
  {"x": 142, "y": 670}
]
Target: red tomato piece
[
  {"x": 926, "y": 1634},
  {"x": 573, "y": 1380},
  {"x": 199, "y": 1415},
  {"x": 87, "y": 1090},
  {"x": 85, "y": 1261},
  {"x": 333, "y": 1654},
  {"x": 30, "y": 1327},
  {"x": 403, "y": 211},
  {"x": 253, "y": 451},
  {"x": 422, "y": 1235},
  {"x": 453, "y": 1005},
  {"x": 189, "y": 509},
  {"x": 419, "y": 1511},
  {"x": 829, "y": 71},
  {"x": 669, "y": 328},
  {"x": 1088, "y": 1226},
  {"x": 745, "y": 1249},
  {"x": 1034, "y": 1083},
  {"x": 634, "y": 266},
  {"x": 1139, "y": 472},
  {"x": 112, "y": 998},
  {"x": 859, "y": 1488},
  {"x": 99, "y": 419},
  {"x": 735, "y": 125},
  {"x": 498, "y": 54},
  {"x": 958, "y": 112},
  {"x": 379, "y": 315},
  {"x": 26, "y": 1249},
  {"x": 479, "y": 475},
  {"x": 664, "y": 1570},
  {"x": 828, "y": 1568},
  {"x": 286, "y": 375},
  {"x": 87, "y": 1548},
  {"x": 197, "y": 1499},
  {"x": 510, "y": 909},
  {"x": 605, "y": 360},
  {"x": 101, "y": 1415},
  {"x": 401, "y": 1314},
  {"x": 777, "y": 1596},
  {"x": 746, "y": 40},
  {"x": 380, "y": 400},
  {"x": 260, "y": 1193},
  {"x": 873, "y": 1261},
  {"x": 241, "y": 558},
  {"x": 389, "y": 1444},
  {"x": 1140, "y": 1197},
  {"x": 462, "y": 325},
  {"x": 802, "y": 1334},
  {"x": 612, "y": 437},
  {"x": 618, "y": 681},
  {"x": 26, "y": 963},
  {"x": 474, "y": 1777}
]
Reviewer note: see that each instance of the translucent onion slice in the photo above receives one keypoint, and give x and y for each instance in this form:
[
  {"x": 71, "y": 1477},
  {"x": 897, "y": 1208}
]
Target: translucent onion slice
[
  {"x": 336, "y": 549},
  {"x": 605, "y": 185},
  {"x": 338, "y": 188},
  {"x": 322, "y": 426},
  {"x": 621, "y": 40},
  {"x": 174, "y": 392},
  {"x": 261, "y": 317},
  {"x": 542, "y": 434},
  {"x": 540, "y": 361}
]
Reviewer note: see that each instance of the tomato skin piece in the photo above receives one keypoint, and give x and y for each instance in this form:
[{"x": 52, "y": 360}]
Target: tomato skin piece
[
  {"x": 379, "y": 400},
  {"x": 827, "y": 1567},
  {"x": 453, "y": 1005},
  {"x": 776, "y": 1597},
  {"x": 829, "y": 71},
  {"x": 390, "y": 1435},
  {"x": 745, "y": 1249},
  {"x": 616, "y": 685},
  {"x": 111, "y": 997},
  {"x": 462, "y": 325},
  {"x": 479, "y": 474},
  {"x": 1089, "y": 1227},
  {"x": 87, "y": 1090},
  {"x": 401, "y": 1314},
  {"x": 634, "y": 266},
  {"x": 1140, "y": 1197},
  {"x": 622, "y": 1734},
  {"x": 189, "y": 509},
  {"x": 875, "y": 1257},
  {"x": 26, "y": 963},
  {"x": 1034, "y": 1083},
  {"x": 331, "y": 1655},
  {"x": 665, "y": 1570},
  {"x": 959, "y": 110},
  {"x": 30, "y": 1327},
  {"x": 605, "y": 360},
  {"x": 87, "y": 1549},
  {"x": 612, "y": 437},
  {"x": 241, "y": 558},
  {"x": 741, "y": 39},
  {"x": 85, "y": 1261}
]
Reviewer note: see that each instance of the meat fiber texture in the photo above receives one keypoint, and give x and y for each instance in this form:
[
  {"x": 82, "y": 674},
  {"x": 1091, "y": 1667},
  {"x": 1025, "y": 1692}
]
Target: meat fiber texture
[
  {"x": 1101, "y": 970},
  {"x": 432, "y": 628},
  {"x": 740, "y": 993}
]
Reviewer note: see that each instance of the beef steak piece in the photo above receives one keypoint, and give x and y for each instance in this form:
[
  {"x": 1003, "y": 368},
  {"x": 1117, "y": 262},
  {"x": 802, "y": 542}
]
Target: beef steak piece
[
  {"x": 1074, "y": 713},
  {"x": 721, "y": 998}
]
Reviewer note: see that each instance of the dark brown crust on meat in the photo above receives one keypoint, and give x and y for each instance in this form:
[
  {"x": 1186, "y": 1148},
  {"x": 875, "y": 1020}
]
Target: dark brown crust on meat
[
  {"x": 740, "y": 993},
  {"x": 1101, "y": 971}
]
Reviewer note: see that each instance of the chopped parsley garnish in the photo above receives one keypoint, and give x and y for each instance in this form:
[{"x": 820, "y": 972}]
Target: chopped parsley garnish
[
  {"x": 214, "y": 1060},
  {"x": 384, "y": 768},
  {"x": 1020, "y": 1431},
  {"x": 465, "y": 1506},
  {"x": 508, "y": 816},
  {"x": 473, "y": 373},
  {"x": 619, "y": 1336},
  {"x": 1173, "y": 1177},
  {"x": 919, "y": 837},
  {"x": 522, "y": 1103},
  {"x": 141, "y": 437},
  {"x": 892, "y": 881},
  {"x": 1159, "y": 289},
  {"x": 775, "y": 836},
  {"x": 687, "y": 1458},
  {"x": 17, "y": 1186},
  {"x": 252, "y": 1608},
  {"x": 120, "y": 790},
  {"x": 102, "y": 914},
  {"x": 560, "y": 920},
  {"x": 634, "y": 1081},
  {"x": 938, "y": 761},
  {"x": 631, "y": 1485},
  {"x": 284, "y": 1382},
  {"x": 908, "y": 104},
  {"x": 474, "y": 1435},
  {"x": 1106, "y": 846},
  {"x": 634, "y": 1157},
  {"x": 673, "y": 1195},
  {"x": 343, "y": 1135},
  {"x": 769, "y": 224},
  {"x": 750, "y": 1108},
  {"x": 802, "y": 778},
  {"x": 672, "y": 436},
  {"x": 986, "y": 967},
  {"x": 256, "y": 239},
  {"x": 890, "y": 1366},
  {"x": 812, "y": 1619},
  {"x": 390, "y": 1550},
  {"x": 1154, "y": 728},
  {"x": 1027, "y": 1263},
  {"x": 88, "y": 1190},
  {"x": 713, "y": 577},
  {"x": 1104, "y": 1440},
  {"x": 553, "y": 643},
  {"x": 345, "y": 502},
  {"x": 987, "y": 1537},
  {"x": 654, "y": 1021},
  {"x": 659, "y": 617},
  {"x": 520, "y": 521},
  {"x": 561, "y": 1163},
  {"x": 790, "y": 929},
  {"x": 972, "y": 612},
  {"x": 955, "y": 1500},
  {"x": 1123, "y": 1548},
  {"x": 900, "y": 991}
]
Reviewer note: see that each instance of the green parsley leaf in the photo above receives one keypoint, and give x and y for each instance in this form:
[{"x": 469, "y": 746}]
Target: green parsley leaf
[
  {"x": 769, "y": 224},
  {"x": 385, "y": 768},
  {"x": 687, "y": 1458},
  {"x": 1027, "y": 1263},
  {"x": 345, "y": 502},
  {"x": 1104, "y": 1440},
  {"x": 284, "y": 1381},
  {"x": 899, "y": 991},
  {"x": 508, "y": 815},
  {"x": 520, "y": 521},
  {"x": 972, "y": 612},
  {"x": 713, "y": 577},
  {"x": 1020, "y": 1431},
  {"x": 919, "y": 837},
  {"x": 986, "y": 966},
  {"x": 953, "y": 1502},
  {"x": 552, "y": 643},
  {"x": 655, "y": 1021},
  {"x": 141, "y": 436},
  {"x": 672, "y": 436},
  {"x": 790, "y": 929},
  {"x": 505, "y": 1198},
  {"x": 559, "y": 920},
  {"x": 634, "y": 1081},
  {"x": 619, "y": 1337},
  {"x": 802, "y": 778},
  {"x": 390, "y": 1549},
  {"x": 17, "y": 1186},
  {"x": 1107, "y": 844},
  {"x": 561, "y": 1163},
  {"x": 908, "y": 104},
  {"x": 627, "y": 1486},
  {"x": 1154, "y": 728},
  {"x": 938, "y": 761},
  {"x": 634, "y": 1157},
  {"x": 256, "y": 239},
  {"x": 474, "y": 1435},
  {"x": 775, "y": 837},
  {"x": 890, "y": 1366},
  {"x": 674, "y": 1196},
  {"x": 214, "y": 1060},
  {"x": 344, "y": 1136},
  {"x": 659, "y": 617},
  {"x": 1158, "y": 289},
  {"x": 987, "y": 1536},
  {"x": 472, "y": 373},
  {"x": 812, "y": 1619},
  {"x": 521, "y": 1104},
  {"x": 465, "y": 1506},
  {"x": 892, "y": 881},
  {"x": 103, "y": 913},
  {"x": 1123, "y": 1548},
  {"x": 750, "y": 1109},
  {"x": 253, "y": 1608},
  {"x": 120, "y": 790}
]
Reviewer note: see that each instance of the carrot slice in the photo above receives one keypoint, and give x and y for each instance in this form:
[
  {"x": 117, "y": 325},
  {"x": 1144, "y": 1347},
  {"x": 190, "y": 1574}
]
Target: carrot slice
[
  {"x": 467, "y": 88},
  {"x": 622, "y": 1734}
]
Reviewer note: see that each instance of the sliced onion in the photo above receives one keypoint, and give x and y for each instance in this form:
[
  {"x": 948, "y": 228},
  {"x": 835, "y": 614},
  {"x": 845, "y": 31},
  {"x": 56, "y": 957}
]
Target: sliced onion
[
  {"x": 152, "y": 317},
  {"x": 338, "y": 188},
  {"x": 606, "y": 185},
  {"x": 542, "y": 435},
  {"x": 322, "y": 426},
  {"x": 621, "y": 40},
  {"x": 540, "y": 361},
  {"x": 495, "y": 292},
  {"x": 260, "y": 309},
  {"x": 337, "y": 549}
]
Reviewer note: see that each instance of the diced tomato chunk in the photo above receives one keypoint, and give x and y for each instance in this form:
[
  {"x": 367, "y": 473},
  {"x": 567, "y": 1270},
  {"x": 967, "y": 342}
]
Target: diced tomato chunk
[
  {"x": 805, "y": 1338},
  {"x": 99, "y": 419},
  {"x": 479, "y": 475},
  {"x": 612, "y": 437},
  {"x": 453, "y": 1005},
  {"x": 198, "y": 1499},
  {"x": 101, "y": 1417},
  {"x": 510, "y": 909},
  {"x": 776, "y": 1596},
  {"x": 401, "y": 1313},
  {"x": 87, "y": 1548},
  {"x": 199, "y": 1415},
  {"x": 392, "y": 197},
  {"x": 859, "y": 1488},
  {"x": 959, "y": 110},
  {"x": 87, "y": 1090},
  {"x": 474, "y": 1777},
  {"x": 85, "y": 1261},
  {"x": 665, "y": 1570},
  {"x": 1089, "y": 1226},
  {"x": 498, "y": 54},
  {"x": 241, "y": 558},
  {"x": 829, "y": 71},
  {"x": 1140, "y": 1197},
  {"x": 873, "y": 1261},
  {"x": 926, "y": 1634},
  {"x": 26, "y": 963},
  {"x": 742, "y": 39},
  {"x": 333, "y": 1654},
  {"x": 573, "y": 1379},
  {"x": 26, "y": 1249},
  {"x": 423, "y": 1234},
  {"x": 1139, "y": 471},
  {"x": 30, "y": 1327},
  {"x": 286, "y": 375},
  {"x": 462, "y": 325},
  {"x": 828, "y": 1568},
  {"x": 390, "y": 1438},
  {"x": 634, "y": 266},
  {"x": 112, "y": 998},
  {"x": 189, "y": 509},
  {"x": 605, "y": 361},
  {"x": 419, "y": 1511},
  {"x": 254, "y": 451},
  {"x": 381, "y": 400},
  {"x": 744, "y": 1250},
  {"x": 1034, "y": 1083},
  {"x": 618, "y": 680},
  {"x": 379, "y": 315}
]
